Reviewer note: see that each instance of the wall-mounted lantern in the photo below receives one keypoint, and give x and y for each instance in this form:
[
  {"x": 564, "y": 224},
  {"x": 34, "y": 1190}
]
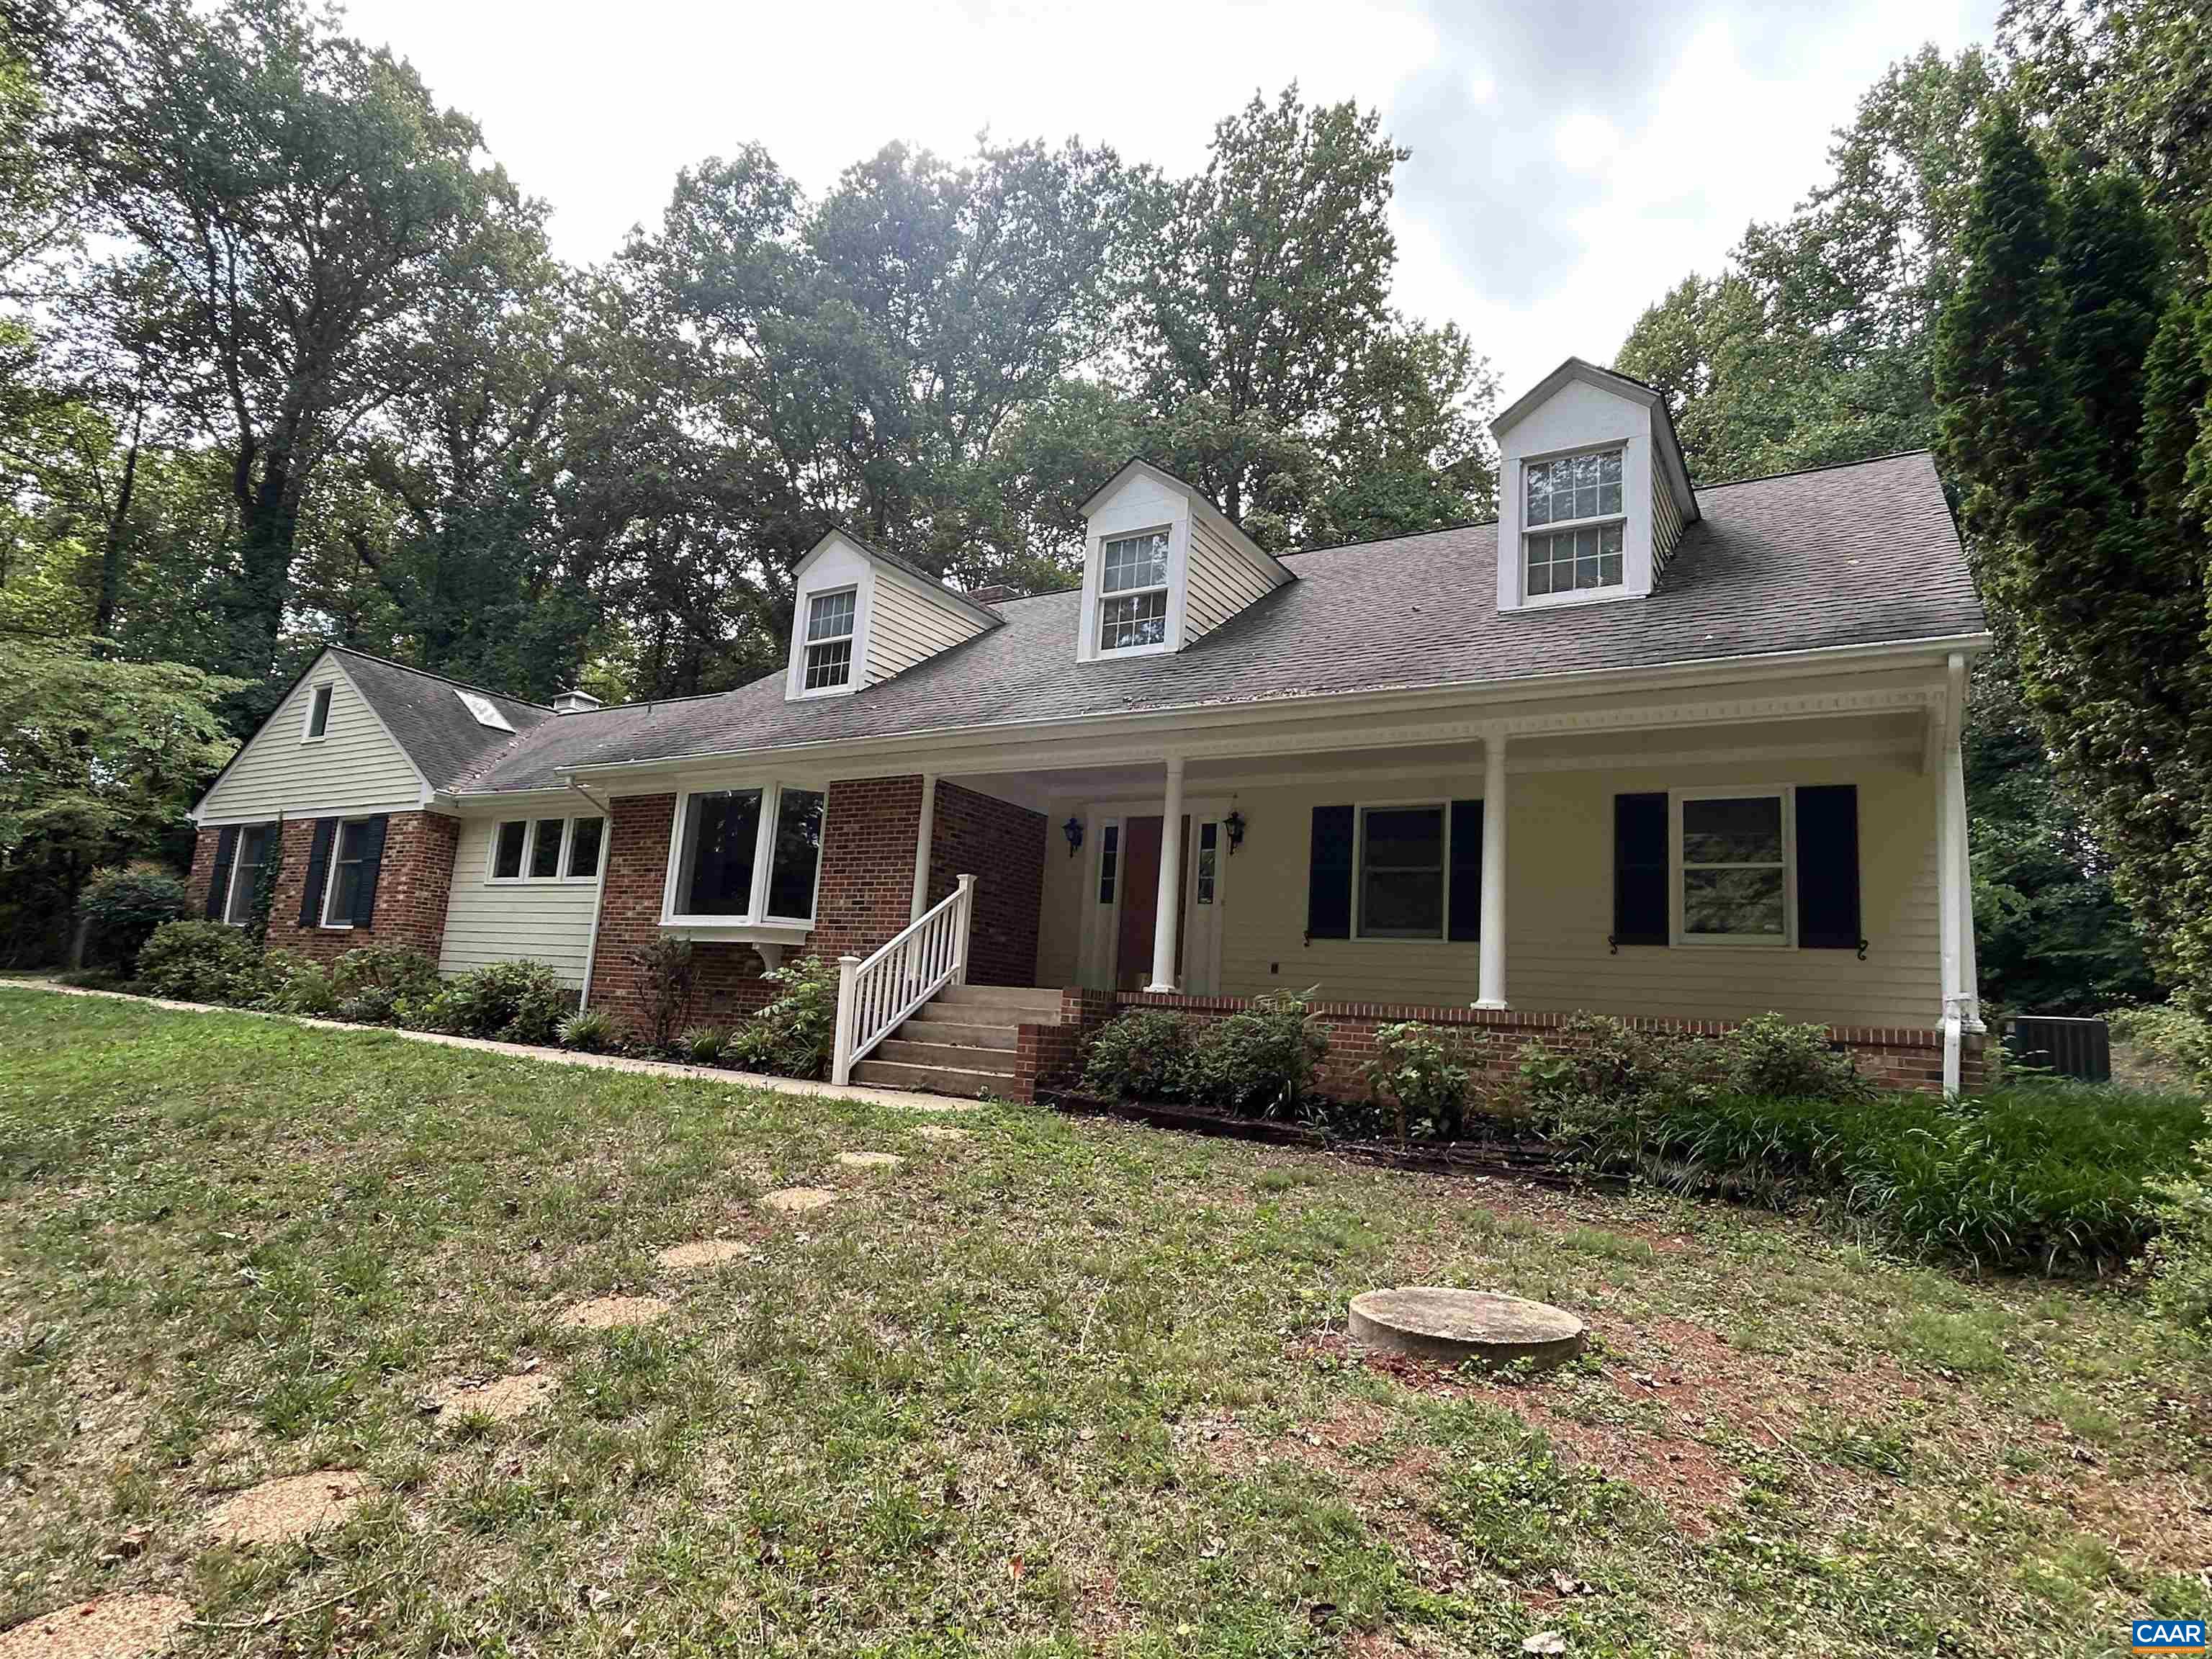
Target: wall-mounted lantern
[
  {"x": 1074, "y": 830},
  {"x": 1234, "y": 824}
]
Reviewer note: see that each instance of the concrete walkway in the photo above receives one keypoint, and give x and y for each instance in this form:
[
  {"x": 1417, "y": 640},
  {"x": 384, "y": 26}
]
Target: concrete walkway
[{"x": 900, "y": 1100}]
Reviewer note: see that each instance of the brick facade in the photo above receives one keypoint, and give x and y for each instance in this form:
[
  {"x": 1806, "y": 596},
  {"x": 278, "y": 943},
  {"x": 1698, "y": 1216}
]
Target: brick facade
[
  {"x": 412, "y": 885},
  {"x": 1901, "y": 1058},
  {"x": 868, "y": 831},
  {"x": 1003, "y": 847}
]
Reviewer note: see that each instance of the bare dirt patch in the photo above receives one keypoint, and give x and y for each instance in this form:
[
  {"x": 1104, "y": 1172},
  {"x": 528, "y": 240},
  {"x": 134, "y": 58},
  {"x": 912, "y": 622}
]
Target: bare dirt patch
[
  {"x": 608, "y": 1311},
  {"x": 940, "y": 1132},
  {"x": 870, "y": 1160},
  {"x": 296, "y": 1506},
  {"x": 800, "y": 1200},
  {"x": 704, "y": 1252},
  {"x": 111, "y": 1627},
  {"x": 501, "y": 1399}
]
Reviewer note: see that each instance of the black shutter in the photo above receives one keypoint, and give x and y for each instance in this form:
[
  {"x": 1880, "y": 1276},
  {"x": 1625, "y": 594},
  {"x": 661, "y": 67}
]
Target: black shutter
[
  {"x": 318, "y": 868},
  {"x": 1828, "y": 867},
  {"x": 1639, "y": 870},
  {"x": 1328, "y": 875},
  {"x": 371, "y": 831},
  {"x": 226, "y": 851},
  {"x": 1466, "y": 922}
]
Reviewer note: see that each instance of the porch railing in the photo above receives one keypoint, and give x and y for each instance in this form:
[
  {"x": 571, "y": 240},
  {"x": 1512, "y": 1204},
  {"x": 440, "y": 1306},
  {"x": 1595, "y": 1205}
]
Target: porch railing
[{"x": 875, "y": 997}]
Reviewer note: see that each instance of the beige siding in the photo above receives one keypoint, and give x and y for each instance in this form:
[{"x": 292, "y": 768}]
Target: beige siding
[
  {"x": 1221, "y": 582},
  {"x": 1666, "y": 523},
  {"x": 1558, "y": 909},
  {"x": 1067, "y": 884},
  {"x": 357, "y": 767},
  {"x": 509, "y": 921},
  {"x": 905, "y": 628}
]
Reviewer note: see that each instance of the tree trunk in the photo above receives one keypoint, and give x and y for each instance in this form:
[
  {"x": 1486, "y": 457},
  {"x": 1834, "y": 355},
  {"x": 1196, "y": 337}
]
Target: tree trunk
[{"x": 111, "y": 558}]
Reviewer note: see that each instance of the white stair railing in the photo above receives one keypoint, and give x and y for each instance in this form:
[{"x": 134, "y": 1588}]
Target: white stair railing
[{"x": 875, "y": 997}]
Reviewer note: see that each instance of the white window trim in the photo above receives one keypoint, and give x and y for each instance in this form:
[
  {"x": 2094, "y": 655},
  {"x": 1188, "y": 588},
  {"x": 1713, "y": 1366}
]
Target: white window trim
[
  {"x": 230, "y": 887},
  {"x": 853, "y": 666},
  {"x": 1359, "y": 811},
  {"x": 1577, "y": 595},
  {"x": 560, "y": 877},
  {"x": 863, "y": 584},
  {"x": 1788, "y": 941},
  {"x": 325, "y": 692},
  {"x": 331, "y": 872},
  {"x": 1171, "y": 619},
  {"x": 756, "y": 915}
]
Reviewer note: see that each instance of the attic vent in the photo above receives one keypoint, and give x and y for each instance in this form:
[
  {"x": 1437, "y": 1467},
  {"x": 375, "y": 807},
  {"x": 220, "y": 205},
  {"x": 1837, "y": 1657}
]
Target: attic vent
[{"x": 487, "y": 713}]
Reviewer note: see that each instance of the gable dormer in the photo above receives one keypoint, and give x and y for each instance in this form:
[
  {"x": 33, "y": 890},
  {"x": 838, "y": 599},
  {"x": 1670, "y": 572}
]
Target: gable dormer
[
  {"x": 863, "y": 616},
  {"x": 1162, "y": 567},
  {"x": 1592, "y": 494}
]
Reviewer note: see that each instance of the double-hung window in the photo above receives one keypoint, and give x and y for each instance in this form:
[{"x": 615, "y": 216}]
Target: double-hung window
[
  {"x": 1733, "y": 860},
  {"x": 1132, "y": 593},
  {"x": 829, "y": 619},
  {"x": 342, "y": 897},
  {"x": 1573, "y": 517},
  {"x": 745, "y": 856},
  {"x": 245, "y": 867},
  {"x": 1401, "y": 872}
]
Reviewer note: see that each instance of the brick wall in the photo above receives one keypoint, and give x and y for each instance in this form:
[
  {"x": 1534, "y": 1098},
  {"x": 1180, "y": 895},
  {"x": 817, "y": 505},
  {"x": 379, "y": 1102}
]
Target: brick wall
[
  {"x": 1902, "y": 1058},
  {"x": 1003, "y": 847},
  {"x": 866, "y": 894},
  {"x": 412, "y": 885},
  {"x": 1051, "y": 1056}
]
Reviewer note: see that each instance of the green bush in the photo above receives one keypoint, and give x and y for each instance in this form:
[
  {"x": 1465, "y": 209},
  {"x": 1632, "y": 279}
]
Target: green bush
[
  {"x": 796, "y": 1035},
  {"x": 2173, "y": 1035},
  {"x": 297, "y": 984},
  {"x": 403, "y": 972},
  {"x": 122, "y": 909},
  {"x": 1144, "y": 1055},
  {"x": 2178, "y": 1261},
  {"x": 513, "y": 1001},
  {"x": 1261, "y": 1060},
  {"x": 668, "y": 972},
  {"x": 587, "y": 1030},
  {"x": 1419, "y": 1070},
  {"x": 201, "y": 962},
  {"x": 1771, "y": 1055},
  {"x": 703, "y": 1044}
]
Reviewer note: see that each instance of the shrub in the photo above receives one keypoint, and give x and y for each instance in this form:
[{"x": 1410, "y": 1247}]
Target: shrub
[
  {"x": 122, "y": 909},
  {"x": 1262, "y": 1059},
  {"x": 796, "y": 1035},
  {"x": 377, "y": 1004},
  {"x": 587, "y": 1030},
  {"x": 401, "y": 971},
  {"x": 1597, "y": 1080},
  {"x": 1144, "y": 1055},
  {"x": 669, "y": 972},
  {"x": 514, "y": 1001},
  {"x": 296, "y": 985},
  {"x": 1417, "y": 1068},
  {"x": 2173, "y": 1035},
  {"x": 2178, "y": 1261},
  {"x": 1769, "y": 1055},
  {"x": 703, "y": 1043},
  {"x": 201, "y": 962}
]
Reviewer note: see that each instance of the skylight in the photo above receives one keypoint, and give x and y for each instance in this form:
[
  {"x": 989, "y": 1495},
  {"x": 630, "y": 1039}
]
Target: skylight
[{"x": 483, "y": 707}]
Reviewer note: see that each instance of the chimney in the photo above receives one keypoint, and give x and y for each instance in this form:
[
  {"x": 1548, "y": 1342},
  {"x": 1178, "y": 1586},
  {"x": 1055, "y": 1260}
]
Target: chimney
[
  {"x": 574, "y": 703},
  {"x": 992, "y": 595}
]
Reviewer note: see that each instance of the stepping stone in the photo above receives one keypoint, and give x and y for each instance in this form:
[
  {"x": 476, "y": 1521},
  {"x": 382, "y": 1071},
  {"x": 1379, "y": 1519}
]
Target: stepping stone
[
  {"x": 940, "y": 1132},
  {"x": 111, "y": 1627},
  {"x": 706, "y": 1253},
  {"x": 297, "y": 1506},
  {"x": 870, "y": 1160},
  {"x": 1490, "y": 1329},
  {"x": 609, "y": 1311},
  {"x": 503, "y": 1398},
  {"x": 798, "y": 1201}
]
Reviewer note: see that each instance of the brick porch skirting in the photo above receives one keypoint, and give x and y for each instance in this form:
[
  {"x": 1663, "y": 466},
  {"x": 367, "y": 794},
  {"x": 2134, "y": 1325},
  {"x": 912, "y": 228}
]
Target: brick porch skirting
[{"x": 1899, "y": 1058}]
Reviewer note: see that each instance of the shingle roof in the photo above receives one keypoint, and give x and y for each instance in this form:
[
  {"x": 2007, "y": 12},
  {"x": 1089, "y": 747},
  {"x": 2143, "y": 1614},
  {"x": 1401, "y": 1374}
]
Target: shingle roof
[
  {"x": 428, "y": 720},
  {"x": 1854, "y": 555}
]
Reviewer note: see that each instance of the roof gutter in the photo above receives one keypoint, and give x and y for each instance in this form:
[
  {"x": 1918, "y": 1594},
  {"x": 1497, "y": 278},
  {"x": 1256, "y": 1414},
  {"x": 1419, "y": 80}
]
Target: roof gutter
[{"x": 1789, "y": 664}]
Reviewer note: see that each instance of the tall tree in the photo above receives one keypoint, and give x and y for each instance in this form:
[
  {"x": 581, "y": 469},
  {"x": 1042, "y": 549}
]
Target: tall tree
[{"x": 1275, "y": 372}]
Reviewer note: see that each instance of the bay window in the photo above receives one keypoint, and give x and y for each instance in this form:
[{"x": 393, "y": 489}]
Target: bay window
[{"x": 745, "y": 856}]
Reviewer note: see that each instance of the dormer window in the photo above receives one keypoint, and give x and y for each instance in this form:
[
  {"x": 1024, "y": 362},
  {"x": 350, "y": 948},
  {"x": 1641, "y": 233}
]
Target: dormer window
[
  {"x": 1132, "y": 605},
  {"x": 1574, "y": 519},
  {"x": 829, "y": 621}
]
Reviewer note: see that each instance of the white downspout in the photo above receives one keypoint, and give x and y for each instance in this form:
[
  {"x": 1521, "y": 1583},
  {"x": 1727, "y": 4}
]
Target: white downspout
[
  {"x": 1951, "y": 863},
  {"x": 923, "y": 837}
]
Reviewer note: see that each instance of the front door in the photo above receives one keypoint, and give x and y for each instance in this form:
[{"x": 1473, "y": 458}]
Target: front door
[{"x": 1140, "y": 900}]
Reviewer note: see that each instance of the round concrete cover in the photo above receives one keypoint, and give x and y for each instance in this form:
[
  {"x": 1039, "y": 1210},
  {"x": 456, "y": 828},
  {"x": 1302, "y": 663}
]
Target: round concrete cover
[{"x": 1457, "y": 1326}]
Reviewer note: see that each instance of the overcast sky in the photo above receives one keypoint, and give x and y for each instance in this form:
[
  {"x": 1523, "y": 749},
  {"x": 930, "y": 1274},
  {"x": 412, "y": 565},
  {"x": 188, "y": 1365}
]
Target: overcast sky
[{"x": 1571, "y": 159}]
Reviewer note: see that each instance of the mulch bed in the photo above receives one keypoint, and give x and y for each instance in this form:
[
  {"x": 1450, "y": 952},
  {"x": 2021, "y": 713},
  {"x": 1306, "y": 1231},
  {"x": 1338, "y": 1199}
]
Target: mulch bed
[{"x": 1501, "y": 1160}]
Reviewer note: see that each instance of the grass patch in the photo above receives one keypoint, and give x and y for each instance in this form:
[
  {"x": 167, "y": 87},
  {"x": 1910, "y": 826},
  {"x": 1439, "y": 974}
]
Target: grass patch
[{"x": 1068, "y": 1386}]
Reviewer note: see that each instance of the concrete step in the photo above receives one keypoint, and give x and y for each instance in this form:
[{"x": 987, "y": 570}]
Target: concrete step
[
  {"x": 940, "y": 1025},
  {"x": 1038, "y": 1007},
  {"x": 930, "y": 1079},
  {"x": 953, "y": 1056}
]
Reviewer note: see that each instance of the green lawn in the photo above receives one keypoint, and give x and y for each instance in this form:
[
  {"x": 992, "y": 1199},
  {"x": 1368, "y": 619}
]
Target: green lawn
[{"x": 1064, "y": 1386}]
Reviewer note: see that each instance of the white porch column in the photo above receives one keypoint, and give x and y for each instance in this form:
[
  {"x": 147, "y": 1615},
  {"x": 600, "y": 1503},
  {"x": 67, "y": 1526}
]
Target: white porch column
[
  {"x": 1950, "y": 870},
  {"x": 1490, "y": 992},
  {"x": 1970, "y": 979},
  {"x": 1167, "y": 917},
  {"x": 921, "y": 839}
]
